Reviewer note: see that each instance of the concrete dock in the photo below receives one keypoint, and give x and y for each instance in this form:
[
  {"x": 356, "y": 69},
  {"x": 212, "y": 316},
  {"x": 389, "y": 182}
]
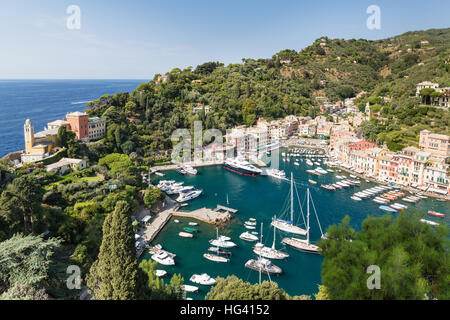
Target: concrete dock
[{"x": 205, "y": 215}]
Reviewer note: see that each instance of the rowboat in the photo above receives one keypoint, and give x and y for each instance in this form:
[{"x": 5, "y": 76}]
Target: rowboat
[
  {"x": 312, "y": 181},
  {"x": 356, "y": 198},
  {"x": 193, "y": 230}
]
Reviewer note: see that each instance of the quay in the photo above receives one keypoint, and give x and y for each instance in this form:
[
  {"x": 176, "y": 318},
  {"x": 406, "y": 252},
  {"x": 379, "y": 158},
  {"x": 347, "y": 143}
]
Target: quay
[
  {"x": 171, "y": 167},
  {"x": 206, "y": 215}
]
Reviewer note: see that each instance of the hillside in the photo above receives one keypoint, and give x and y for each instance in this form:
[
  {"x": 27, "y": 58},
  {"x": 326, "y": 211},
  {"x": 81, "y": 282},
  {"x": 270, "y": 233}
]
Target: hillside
[{"x": 286, "y": 83}]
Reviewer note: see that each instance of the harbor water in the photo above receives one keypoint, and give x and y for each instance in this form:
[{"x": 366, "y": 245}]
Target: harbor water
[{"x": 262, "y": 198}]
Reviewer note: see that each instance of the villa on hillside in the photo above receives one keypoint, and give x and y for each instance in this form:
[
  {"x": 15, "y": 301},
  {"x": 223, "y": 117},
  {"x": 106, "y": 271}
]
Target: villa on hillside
[
  {"x": 65, "y": 164},
  {"x": 440, "y": 101},
  {"x": 41, "y": 145}
]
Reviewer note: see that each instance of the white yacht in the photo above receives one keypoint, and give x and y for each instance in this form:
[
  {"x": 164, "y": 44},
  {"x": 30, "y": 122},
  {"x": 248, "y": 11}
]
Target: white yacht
[
  {"x": 189, "y": 169},
  {"x": 247, "y": 236},
  {"x": 275, "y": 173},
  {"x": 189, "y": 288},
  {"x": 160, "y": 273},
  {"x": 203, "y": 279},
  {"x": 183, "y": 197},
  {"x": 163, "y": 258}
]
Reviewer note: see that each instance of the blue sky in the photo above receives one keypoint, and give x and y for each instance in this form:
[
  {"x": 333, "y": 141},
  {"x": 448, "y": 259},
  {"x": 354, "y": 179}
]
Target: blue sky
[{"x": 135, "y": 39}]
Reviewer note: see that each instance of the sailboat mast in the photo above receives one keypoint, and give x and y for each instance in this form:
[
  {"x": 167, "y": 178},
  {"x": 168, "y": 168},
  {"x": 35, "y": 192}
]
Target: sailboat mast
[
  {"x": 307, "y": 217},
  {"x": 274, "y": 235},
  {"x": 292, "y": 197},
  {"x": 259, "y": 260}
]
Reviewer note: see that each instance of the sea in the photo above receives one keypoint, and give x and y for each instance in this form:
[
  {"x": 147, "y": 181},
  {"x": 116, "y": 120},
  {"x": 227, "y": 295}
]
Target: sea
[
  {"x": 263, "y": 198},
  {"x": 43, "y": 101}
]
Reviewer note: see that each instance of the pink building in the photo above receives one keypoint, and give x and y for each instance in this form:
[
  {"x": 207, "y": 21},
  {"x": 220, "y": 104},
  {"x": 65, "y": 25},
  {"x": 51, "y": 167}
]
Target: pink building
[
  {"x": 435, "y": 143},
  {"x": 361, "y": 146}
]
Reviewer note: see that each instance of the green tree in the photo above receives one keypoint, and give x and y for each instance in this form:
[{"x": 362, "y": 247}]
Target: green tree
[
  {"x": 21, "y": 201},
  {"x": 113, "y": 276},
  {"x": 25, "y": 266},
  {"x": 233, "y": 288},
  {"x": 413, "y": 258},
  {"x": 152, "y": 196}
]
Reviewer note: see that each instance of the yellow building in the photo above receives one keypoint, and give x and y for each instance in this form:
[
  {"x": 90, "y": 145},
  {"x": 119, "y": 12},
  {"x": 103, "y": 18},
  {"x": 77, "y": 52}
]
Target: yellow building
[{"x": 38, "y": 145}]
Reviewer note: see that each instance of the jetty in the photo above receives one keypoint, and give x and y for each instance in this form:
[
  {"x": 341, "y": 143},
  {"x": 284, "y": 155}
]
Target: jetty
[
  {"x": 206, "y": 215},
  {"x": 226, "y": 209}
]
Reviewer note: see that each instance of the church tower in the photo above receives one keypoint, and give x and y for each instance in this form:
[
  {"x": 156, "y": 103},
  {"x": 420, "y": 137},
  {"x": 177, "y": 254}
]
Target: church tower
[{"x": 29, "y": 135}]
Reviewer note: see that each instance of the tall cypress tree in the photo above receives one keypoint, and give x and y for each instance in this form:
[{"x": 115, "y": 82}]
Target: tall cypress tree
[{"x": 113, "y": 276}]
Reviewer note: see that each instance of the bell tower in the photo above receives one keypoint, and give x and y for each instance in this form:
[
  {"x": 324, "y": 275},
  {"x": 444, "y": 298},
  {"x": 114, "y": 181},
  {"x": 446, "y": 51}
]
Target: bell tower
[{"x": 29, "y": 135}]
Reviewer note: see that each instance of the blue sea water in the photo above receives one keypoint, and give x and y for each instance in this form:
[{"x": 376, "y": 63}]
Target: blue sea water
[
  {"x": 43, "y": 101},
  {"x": 262, "y": 198}
]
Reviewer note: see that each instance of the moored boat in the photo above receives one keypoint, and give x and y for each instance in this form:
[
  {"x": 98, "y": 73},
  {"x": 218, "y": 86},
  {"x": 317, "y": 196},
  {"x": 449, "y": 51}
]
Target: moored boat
[
  {"x": 186, "y": 235},
  {"x": 436, "y": 214},
  {"x": 247, "y": 236},
  {"x": 203, "y": 279},
  {"x": 215, "y": 257},
  {"x": 263, "y": 265}
]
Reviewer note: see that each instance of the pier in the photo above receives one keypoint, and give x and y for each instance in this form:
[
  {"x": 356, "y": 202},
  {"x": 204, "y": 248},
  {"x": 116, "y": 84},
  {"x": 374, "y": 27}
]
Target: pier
[
  {"x": 206, "y": 215},
  {"x": 223, "y": 208}
]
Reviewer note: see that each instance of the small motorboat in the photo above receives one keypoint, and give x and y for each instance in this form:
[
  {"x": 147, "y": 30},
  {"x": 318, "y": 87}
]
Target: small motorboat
[
  {"x": 192, "y": 230},
  {"x": 355, "y": 198},
  {"x": 248, "y": 237},
  {"x": 388, "y": 209},
  {"x": 436, "y": 214},
  {"x": 186, "y": 235},
  {"x": 189, "y": 288},
  {"x": 193, "y": 223},
  {"x": 431, "y": 223},
  {"x": 176, "y": 221},
  {"x": 160, "y": 273},
  {"x": 203, "y": 279}
]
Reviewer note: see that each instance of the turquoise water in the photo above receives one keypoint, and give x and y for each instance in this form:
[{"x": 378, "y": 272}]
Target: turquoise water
[{"x": 262, "y": 198}]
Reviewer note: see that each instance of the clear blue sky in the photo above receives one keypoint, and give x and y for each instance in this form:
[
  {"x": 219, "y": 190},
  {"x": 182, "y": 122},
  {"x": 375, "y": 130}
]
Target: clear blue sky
[{"x": 136, "y": 39}]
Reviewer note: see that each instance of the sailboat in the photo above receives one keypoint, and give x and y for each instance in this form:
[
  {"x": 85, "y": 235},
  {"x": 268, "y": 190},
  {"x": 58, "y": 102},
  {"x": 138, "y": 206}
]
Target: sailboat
[
  {"x": 222, "y": 242},
  {"x": 300, "y": 244},
  {"x": 269, "y": 253},
  {"x": 263, "y": 264},
  {"x": 288, "y": 226}
]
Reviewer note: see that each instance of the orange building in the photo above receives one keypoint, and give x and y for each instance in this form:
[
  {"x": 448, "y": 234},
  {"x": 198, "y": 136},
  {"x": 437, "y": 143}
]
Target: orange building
[{"x": 79, "y": 123}]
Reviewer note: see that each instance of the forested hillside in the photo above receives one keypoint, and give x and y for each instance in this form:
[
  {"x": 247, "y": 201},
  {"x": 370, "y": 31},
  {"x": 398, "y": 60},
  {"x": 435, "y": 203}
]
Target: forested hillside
[{"x": 287, "y": 83}]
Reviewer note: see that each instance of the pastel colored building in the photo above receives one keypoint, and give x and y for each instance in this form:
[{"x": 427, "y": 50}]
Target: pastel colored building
[
  {"x": 435, "y": 143},
  {"x": 79, "y": 123},
  {"x": 38, "y": 145}
]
